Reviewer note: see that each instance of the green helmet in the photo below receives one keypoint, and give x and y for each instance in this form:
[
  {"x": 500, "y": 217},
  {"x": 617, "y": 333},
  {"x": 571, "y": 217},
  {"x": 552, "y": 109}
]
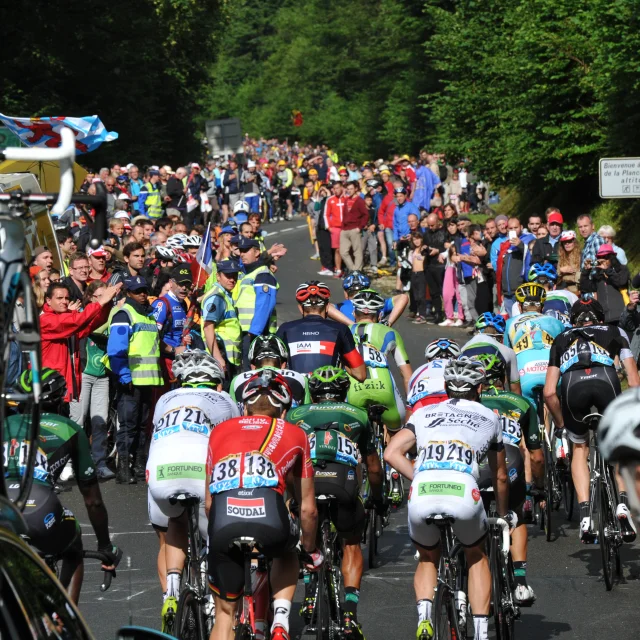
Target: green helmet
[
  {"x": 54, "y": 386},
  {"x": 329, "y": 382},
  {"x": 493, "y": 365}
]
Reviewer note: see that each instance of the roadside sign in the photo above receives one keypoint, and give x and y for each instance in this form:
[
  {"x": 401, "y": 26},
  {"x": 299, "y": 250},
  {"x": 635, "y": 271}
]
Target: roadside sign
[
  {"x": 224, "y": 137},
  {"x": 619, "y": 177}
]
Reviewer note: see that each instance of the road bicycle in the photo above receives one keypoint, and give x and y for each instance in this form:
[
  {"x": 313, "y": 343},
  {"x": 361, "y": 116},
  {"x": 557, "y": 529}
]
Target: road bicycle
[
  {"x": 194, "y": 617},
  {"x": 603, "y": 499}
]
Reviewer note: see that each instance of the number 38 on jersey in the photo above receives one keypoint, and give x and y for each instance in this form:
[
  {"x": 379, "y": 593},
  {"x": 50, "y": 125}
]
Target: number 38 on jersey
[{"x": 255, "y": 471}]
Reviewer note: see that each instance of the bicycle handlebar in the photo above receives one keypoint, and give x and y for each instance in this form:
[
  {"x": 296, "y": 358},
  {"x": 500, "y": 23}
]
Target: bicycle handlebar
[
  {"x": 65, "y": 154},
  {"x": 506, "y": 537},
  {"x": 108, "y": 574}
]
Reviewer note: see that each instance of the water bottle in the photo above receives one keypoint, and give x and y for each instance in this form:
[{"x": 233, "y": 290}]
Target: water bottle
[{"x": 461, "y": 607}]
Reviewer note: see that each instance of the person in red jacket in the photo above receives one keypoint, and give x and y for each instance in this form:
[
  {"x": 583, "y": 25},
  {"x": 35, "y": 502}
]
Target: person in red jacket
[
  {"x": 333, "y": 213},
  {"x": 354, "y": 219},
  {"x": 61, "y": 331}
]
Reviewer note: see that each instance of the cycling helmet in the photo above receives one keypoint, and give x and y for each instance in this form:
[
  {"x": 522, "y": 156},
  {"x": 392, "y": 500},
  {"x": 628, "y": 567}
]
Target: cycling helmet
[
  {"x": 531, "y": 292},
  {"x": 53, "y": 385},
  {"x": 268, "y": 347},
  {"x": 374, "y": 183},
  {"x": 241, "y": 206},
  {"x": 165, "y": 253},
  {"x": 463, "y": 375},
  {"x": 619, "y": 429},
  {"x": 547, "y": 271},
  {"x": 368, "y": 301},
  {"x": 329, "y": 382},
  {"x": 488, "y": 319},
  {"x": 176, "y": 240},
  {"x": 197, "y": 368},
  {"x": 313, "y": 293},
  {"x": 356, "y": 280},
  {"x": 270, "y": 383},
  {"x": 587, "y": 310},
  {"x": 192, "y": 241},
  {"x": 441, "y": 348},
  {"x": 493, "y": 365}
]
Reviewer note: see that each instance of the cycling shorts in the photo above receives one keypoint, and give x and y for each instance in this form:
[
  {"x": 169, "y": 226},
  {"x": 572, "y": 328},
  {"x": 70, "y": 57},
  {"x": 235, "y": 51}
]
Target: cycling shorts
[
  {"x": 259, "y": 513},
  {"x": 379, "y": 388},
  {"x": 341, "y": 481},
  {"x": 284, "y": 194},
  {"x": 51, "y": 528},
  {"x": 176, "y": 465},
  {"x": 446, "y": 492},
  {"x": 161, "y": 509},
  {"x": 532, "y": 366},
  {"x": 517, "y": 482},
  {"x": 583, "y": 389}
]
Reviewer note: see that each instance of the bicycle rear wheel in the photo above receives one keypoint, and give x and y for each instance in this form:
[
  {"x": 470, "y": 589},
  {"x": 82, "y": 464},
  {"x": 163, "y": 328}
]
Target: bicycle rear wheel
[
  {"x": 445, "y": 617},
  {"x": 373, "y": 538},
  {"x": 549, "y": 470},
  {"x": 189, "y": 622},
  {"x": 606, "y": 528},
  {"x": 322, "y": 606},
  {"x": 568, "y": 493},
  {"x": 502, "y": 622}
]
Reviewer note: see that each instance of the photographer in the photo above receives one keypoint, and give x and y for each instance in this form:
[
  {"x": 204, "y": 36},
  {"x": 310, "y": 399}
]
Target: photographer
[{"x": 607, "y": 279}]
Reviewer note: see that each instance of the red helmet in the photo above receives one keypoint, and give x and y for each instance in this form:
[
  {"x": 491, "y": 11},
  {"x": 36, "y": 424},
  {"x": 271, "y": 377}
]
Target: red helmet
[{"x": 312, "y": 293}]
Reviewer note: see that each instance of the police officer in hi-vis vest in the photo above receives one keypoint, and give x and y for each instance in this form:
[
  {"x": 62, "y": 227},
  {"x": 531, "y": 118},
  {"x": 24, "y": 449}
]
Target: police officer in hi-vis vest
[
  {"x": 133, "y": 356},
  {"x": 254, "y": 296},
  {"x": 150, "y": 199}
]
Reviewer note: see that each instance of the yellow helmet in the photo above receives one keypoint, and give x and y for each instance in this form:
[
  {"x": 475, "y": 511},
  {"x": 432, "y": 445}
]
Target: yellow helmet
[{"x": 531, "y": 291}]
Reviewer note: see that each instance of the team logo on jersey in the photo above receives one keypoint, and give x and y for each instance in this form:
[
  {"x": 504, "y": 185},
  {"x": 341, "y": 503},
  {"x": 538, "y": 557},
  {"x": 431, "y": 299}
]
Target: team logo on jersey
[
  {"x": 328, "y": 438},
  {"x": 307, "y": 347},
  {"x": 246, "y": 508},
  {"x": 475, "y": 494}
]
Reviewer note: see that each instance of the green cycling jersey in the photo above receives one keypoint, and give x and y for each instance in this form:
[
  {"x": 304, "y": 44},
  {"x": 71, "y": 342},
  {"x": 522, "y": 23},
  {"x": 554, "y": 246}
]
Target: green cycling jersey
[{"x": 384, "y": 338}]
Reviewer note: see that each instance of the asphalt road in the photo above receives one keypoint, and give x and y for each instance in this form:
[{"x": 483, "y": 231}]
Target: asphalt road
[{"x": 572, "y": 601}]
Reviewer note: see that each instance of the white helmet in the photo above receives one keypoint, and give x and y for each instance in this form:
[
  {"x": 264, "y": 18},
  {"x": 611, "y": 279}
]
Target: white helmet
[
  {"x": 197, "y": 368},
  {"x": 619, "y": 429},
  {"x": 192, "y": 241},
  {"x": 241, "y": 205},
  {"x": 176, "y": 241},
  {"x": 441, "y": 348},
  {"x": 463, "y": 374},
  {"x": 165, "y": 253}
]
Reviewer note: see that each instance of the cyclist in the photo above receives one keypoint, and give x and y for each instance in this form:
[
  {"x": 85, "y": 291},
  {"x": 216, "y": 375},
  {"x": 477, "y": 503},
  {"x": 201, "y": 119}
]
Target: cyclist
[
  {"x": 452, "y": 438},
  {"x": 490, "y": 329},
  {"x": 284, "y": 183},
  {"x": 314, "y": 340},
  {"x": 519, "y": 427},
  {"x": 340, "y": 436},
  {"x": 251, "y": 461},
  {"x": 392, "y": 309},
  {"x": 53, "y": 530},
  {"x": 427, "y": 386},
  {"x": 367, "y": 305},
  {"x": 269, "y": 352},
  {"x": 582, "y": 360}
]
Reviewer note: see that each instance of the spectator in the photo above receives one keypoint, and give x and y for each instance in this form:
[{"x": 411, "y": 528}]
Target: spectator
[
  {"x": 135, "y": 186},
  {"x": 450, "y": 287},
  {"x": 501, "y": 236},
  {"x": 545, "y": 249},
  {"x": 402, "y": 208},
  {"x": 134, "y": 359},
  {"x": 534, "y": 224},
  {"x": 592, "y": 242},
  {"x": 543, "y": 231},
  {"x": 630, "y": 319},
  {"x": 112, "y": 194},
  {"x": 98, "y": 263},
  {"x": 355, "y": 217},
  {"x": 176, "y": 200},
  {"x": 434, "y": 238},
  {"x": 426, "y": 183},
  {"x": 323, "y": 235},
  {"x": 58, "y": 324},
  {"x": 134, "y": 256},
  {"x": 469, "y": 250},
  {"x": 418, "y": 290},
  {"x": 68, "y": 246},
  {"x": 607, "y": 232},
  {"x": 609, "y": 280},
  {"x": 41, "y": 281},
  {"x": 231, "y": 184},
  {"x": 333, "y": 213},
  {"x": 369, "y": 239},
  {"x": 568, "y": 262},
  {"x": 78, "y": 276},
  {"x": 150, "y": 199},
  {"x": 42, "y": 257}
]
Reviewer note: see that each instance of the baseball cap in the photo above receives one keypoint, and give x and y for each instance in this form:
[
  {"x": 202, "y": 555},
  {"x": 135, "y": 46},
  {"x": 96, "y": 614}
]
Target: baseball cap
[
  {"x": 135, "y": 283},
  {"x": 227, "y": 229},
  {"x": 555, "y": 218},
  {"x": 228, "y": 266},
  {"x": 195, "y": 165},
  {"x": 34, "y": 271},
  {"x": 247, "y": 243},
  {"x": 501, "y": 218},
  {"x": 154, "y": 172},
  {"x": 122, "y": 214},
  {"x": 182, "y": 273},
  {"x": 99, "y": 252},
  {"x": 41, "y": 249},
  {"x": 124, "y": 196},
  {"x": 168, "y": 169},
  {"x": 605, "y": 250},
  {"x": 565, "y": 236}
]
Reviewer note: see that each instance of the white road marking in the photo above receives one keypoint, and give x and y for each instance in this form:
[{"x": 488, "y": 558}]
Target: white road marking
[{"x": 301, "y": 226}]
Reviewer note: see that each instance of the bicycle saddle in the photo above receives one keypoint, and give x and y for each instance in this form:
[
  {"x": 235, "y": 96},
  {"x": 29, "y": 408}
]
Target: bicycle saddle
[
  {"x": 440, "y": 519},
  {"x": 243, "y": 541},
  {"x": 185, "y": 499},
  {"x": 323, "y": 498},
  {"x": 592, "y": 419}
]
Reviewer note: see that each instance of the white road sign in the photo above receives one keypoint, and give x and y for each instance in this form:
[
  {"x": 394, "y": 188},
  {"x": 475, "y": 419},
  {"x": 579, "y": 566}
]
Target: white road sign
[{"x": 619, "y": 177}]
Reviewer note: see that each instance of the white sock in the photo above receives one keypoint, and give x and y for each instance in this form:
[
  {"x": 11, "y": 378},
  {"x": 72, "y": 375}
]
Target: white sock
[
  {"x": 481, "y": 627},
  {"x": 424, "y": 610},
  {"x": 281, "y": 611},
  {"x": 173, "y": 584}
]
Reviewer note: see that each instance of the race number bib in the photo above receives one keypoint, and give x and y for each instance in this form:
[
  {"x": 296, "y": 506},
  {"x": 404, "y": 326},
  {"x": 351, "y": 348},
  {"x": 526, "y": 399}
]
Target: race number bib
[
  {"x": 332, "y": 444},
  {"x": 511, "y": 431},
  {"x": 259, "y": 471},
  {"x": 526, "y": 342},
  {"x": 425, "y": 387},
  {"x": 372, "y": 357},
  {"x": 587, "y": 352},
  {"x": 448, "y": 455},
  {"x": 182, "y": 419},
  {"x": 226, "y": 474},
  {"x": 16, "y": 452}
]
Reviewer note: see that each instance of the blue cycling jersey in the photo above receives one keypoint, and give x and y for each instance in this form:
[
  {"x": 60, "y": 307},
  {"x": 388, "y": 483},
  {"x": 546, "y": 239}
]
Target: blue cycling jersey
[
  {"x": 173, "y": 332},
  {"x": 346, "y": 307}
]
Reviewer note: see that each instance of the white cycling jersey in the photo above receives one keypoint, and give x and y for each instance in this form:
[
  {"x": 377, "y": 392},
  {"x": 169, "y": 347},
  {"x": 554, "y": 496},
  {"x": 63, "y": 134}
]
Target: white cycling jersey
[
  {"x": 484, "y": 343},
  {"x": 182, "y": 422},
  {"x": 427, "y": 380}
]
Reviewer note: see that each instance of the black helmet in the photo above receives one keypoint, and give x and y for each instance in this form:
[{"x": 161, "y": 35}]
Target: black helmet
[
  {"x": 374, "y": 183},
  {"x": 268, "y": 347},
  {"x": 54, "y": 386},
  {"x": 329, "y": 382},
  {"x": 587, "y": 310}
]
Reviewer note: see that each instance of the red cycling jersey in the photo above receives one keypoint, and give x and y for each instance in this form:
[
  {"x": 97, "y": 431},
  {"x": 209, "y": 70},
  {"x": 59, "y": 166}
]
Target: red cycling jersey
[{"x": 255, "y": 452}]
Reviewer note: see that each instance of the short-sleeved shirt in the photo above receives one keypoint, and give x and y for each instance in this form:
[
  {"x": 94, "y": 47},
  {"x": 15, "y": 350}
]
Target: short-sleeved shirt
[
  {"x": 485, "y": 344},
  {"x": 213, "y": 309},
  {"x": 255, "y": 452},
  {"x": 337, "y": 431},
  {"x": 385, "y": 339},
  {"x": 531, "y": 331},
  {"x": 315, "y": 342},
  {"x": 517, "y": 417},
  {"x": 60, "y": 440},
  {"x": 593, "y": 346}
]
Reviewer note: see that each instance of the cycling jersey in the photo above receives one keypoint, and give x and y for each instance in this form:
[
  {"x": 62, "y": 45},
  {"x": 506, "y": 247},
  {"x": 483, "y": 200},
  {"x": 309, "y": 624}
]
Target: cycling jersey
[
  {"x": 297, "y": 383},
  {"x": 558, "y": 300},
  {"x": 256, "y": 452},
  {"x": 337, "y": 431},
  {"x": 426, "y": 385},
  {"x": 585, "y": 347},
  {"x": 383, "y": 338},
  {"x": 60, "y": 440},
  {"x": 315, "y": 341},
  {"x": 517, "y": 417},
  {"x": 348, "y": 309},
  {"x": 170, "y": 323},
  {"x": 485, "y": 344}
]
